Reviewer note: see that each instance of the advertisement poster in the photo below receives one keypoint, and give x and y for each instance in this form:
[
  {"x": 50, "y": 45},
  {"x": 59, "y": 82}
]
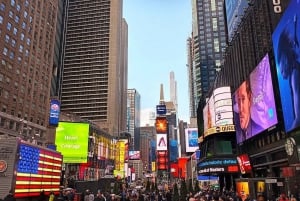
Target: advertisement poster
[
  {"x": 254, "y": 103},
  {"x": 286, "y": 39},
  {"x": 242, "y": 188},
  {"x": 72, "y": 141}
]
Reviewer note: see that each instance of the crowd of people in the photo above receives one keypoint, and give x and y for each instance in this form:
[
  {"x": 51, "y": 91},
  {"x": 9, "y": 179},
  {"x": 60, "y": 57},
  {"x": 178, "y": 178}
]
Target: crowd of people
[{"x": 70, "y": 194}]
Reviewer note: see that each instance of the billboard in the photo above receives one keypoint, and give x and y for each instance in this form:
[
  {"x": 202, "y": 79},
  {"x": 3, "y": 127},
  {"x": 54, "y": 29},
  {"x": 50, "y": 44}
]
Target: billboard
[
  {"x": 287, "y": 57},
  {"x": 191, "y": 139},
  {"x": 161, "y": 142},
  {"x": 162, "y": 160},
  {"x": 217, "y": 113},
  {"x": 72, "y": 141},
  {"x": 234, "y": 12},
  {"x": 54, "y": 112},
  {"x": 223, "y": 106},
  {"x": 254, "y": 103},
  {"x": 37, "y": 168},
  {"x": 161, "y": 125},
  {"x": 134, "y": 155},
  {"x": 244, "y": 163},
  {"x": 161, "y": 110}
]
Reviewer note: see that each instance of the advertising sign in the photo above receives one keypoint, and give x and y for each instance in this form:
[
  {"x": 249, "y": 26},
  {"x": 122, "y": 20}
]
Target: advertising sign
[
  {"x": 244, "y": 163},
  {"x": 191, "y": 139},
  {"x": 223, "y": 106},
  {"x": 72, "y": 141},
  {"x": 161, "y": 125},
  {"x": 242, "y": 189},
  {"x": 54, "y": 112},
  {"x": 161, "y": 110},
  {"x": 254, "y": 103},
  {"x": 286, "y": 47},
  {"x": 161, "y": 142},
  {"x": 134, "y": 155},
  {"x": 225, "y": 165}
]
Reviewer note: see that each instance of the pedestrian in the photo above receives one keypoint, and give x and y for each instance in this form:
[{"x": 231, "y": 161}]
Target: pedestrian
[
  {"x": 42, "y": 196},
  {"x": 51, "y": 196}
]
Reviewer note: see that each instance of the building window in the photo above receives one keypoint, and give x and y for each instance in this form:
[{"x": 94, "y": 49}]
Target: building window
[
  {"x": 12, "y": 2},
  {"x": 21, "y": 48},
  {"x": 23, "y": 25},
  {"x": 12, "y": 55},
  {"x": 17, "y": 19},
  {"x": 13, "y": 42},
  {"x": 22, "y": 36},
  {"x": 25, "y": 14},
  {"x": 18, "y": 8},
  {"x": 2, "y": 6},
  {"x": 1, "y": 19},
  {"x": 7, "y": 38},
  {"x": 10, "y": 14},
  {"x": 5, "y": 50},
  {"x": 8, "y": 27},
  {"x": 15, "y": 31}
]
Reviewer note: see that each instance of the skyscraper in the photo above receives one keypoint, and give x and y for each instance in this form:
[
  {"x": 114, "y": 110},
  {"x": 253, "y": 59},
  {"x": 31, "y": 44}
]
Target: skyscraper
[
  {"x": 134, "y": 115},
  {"x": 27, "y": 31},
  {"x": 94, "y": 78},
  {"x": 206, "y": 45},
  {"x": 173, "y": 90}
]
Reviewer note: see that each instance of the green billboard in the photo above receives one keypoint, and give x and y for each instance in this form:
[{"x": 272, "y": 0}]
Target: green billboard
[{"x": 72, "y": 141}]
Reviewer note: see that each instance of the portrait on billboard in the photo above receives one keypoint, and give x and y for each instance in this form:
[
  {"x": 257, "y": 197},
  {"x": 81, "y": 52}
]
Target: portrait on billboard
[
  {"x": 254, "y": 103},
  {"x": 287, "y": 57}
]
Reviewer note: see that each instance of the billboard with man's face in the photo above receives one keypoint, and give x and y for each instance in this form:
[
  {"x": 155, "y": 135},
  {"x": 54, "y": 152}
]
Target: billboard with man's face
[{"x": 254, "y": 103}]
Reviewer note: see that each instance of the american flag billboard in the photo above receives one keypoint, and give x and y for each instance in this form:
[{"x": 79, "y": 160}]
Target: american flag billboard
[{"x": 37, "y": 169}]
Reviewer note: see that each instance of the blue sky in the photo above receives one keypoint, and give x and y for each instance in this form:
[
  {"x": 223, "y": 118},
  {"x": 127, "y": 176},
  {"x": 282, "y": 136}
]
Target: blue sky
[{"x": 157, "y": 33}]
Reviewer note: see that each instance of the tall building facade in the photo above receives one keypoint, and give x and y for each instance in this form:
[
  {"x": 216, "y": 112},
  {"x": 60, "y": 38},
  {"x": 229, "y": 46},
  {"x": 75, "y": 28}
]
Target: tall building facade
[
  {"x": 134, "y": 115},
  {"x": 206, "y": 46},
  {"x": 173, "y": 90},
  {"x": 27, "y": 31},
  {"x": 94, "y": 77}
]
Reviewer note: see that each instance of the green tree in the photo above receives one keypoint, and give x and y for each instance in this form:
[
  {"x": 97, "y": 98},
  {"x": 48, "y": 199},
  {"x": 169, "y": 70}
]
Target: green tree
[
  {"x": 197, "y": 188},
  {"x": 191, "y": 188},
  {"x": 175, "y": 193},
  {"x": 183, "y": 190}
]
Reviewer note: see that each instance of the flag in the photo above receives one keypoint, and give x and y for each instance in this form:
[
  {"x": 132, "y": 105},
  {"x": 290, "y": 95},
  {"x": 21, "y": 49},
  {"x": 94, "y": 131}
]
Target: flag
[{"x": 37, "y": 169}]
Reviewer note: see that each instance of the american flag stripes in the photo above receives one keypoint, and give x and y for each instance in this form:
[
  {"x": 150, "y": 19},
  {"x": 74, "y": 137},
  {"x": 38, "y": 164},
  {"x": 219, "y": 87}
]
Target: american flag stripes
[{"x": 37, "y": 169}]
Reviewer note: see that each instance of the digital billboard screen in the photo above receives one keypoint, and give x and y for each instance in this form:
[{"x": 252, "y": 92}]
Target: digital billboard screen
[
  {"x": 134, "y": 155},
  {"x": 191, "y": 139},
  {"x": 254, "y": 103},
  {"x": 286, "y": 48},
  {"x": 223, "y": 106},
  {"x": 72, "y": 141},
  {"x": 54, "y": 112}
]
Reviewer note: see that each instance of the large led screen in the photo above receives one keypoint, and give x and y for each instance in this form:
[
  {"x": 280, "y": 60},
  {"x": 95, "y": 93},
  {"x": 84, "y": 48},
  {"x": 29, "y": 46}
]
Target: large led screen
[
  {"x": 286, "y": 47},
  {"x": 209, "y": 114},
  {"x": 191, "y": 139},
  {"x": 72, "y": 141},
  {"x": 223, "y": 106},
  {"x": 254, "y": 104}
]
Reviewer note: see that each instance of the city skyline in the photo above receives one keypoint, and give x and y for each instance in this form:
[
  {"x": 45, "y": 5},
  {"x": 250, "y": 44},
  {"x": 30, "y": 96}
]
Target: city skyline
[{"x": 152, "y": 54}]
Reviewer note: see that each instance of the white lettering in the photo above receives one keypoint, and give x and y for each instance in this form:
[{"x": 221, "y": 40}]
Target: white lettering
[{"x": 277, "y": 6}]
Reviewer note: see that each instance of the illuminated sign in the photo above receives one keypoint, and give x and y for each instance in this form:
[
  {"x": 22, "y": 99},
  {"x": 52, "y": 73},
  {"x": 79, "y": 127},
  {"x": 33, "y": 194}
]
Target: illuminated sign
[
  {"x": 286, "y": 45},
  {"x": 54, "y": 112},
  {"x": 218, "y": 162},
  {"x": 191, "y": 139},
  {"x": 223, "y": 106},
  {"x": 161, "y": 110},
  {"x": 161, "y": 125},
  {"x": 72, "y": 141},
  {"x": 161, "y": 142},
  {"x": 219, "y": 129},
  {"x": 37, "y": 169}
]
